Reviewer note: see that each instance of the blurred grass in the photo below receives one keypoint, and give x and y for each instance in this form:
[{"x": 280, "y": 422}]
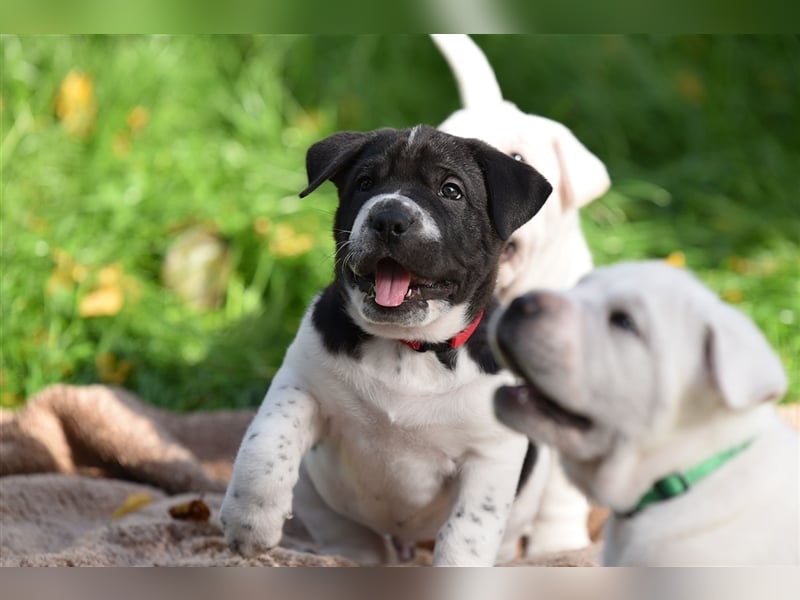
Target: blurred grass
[{"x": 700, "y": 135}]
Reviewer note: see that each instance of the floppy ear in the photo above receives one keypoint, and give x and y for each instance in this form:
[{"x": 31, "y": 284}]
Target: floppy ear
[
  {"x": 516, "y": 190},
  {"x": 742, "y": 365},
  {"x": 583, "y": 176},
  {"x": 328, "y": 157}
]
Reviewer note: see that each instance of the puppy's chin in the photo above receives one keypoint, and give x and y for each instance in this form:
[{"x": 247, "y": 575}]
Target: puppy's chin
[
  {"x": 527, "y": 400},
  {"x": 528, "y": 410}
]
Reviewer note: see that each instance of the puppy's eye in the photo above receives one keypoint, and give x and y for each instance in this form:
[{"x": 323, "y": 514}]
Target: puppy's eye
[
  {"x": 622, "y": 320},
  {"x": 364, "y": 183},
  {"x": 451, "y": 191},
  {"x": 518, "y": 157}
]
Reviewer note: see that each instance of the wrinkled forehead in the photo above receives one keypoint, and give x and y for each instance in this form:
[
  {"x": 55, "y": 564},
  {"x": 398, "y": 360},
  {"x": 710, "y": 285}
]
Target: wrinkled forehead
[
  {"x": 427, "y": 151},
  {"x": 648, "y": 283},
  {"x": 511, "y": 131}
]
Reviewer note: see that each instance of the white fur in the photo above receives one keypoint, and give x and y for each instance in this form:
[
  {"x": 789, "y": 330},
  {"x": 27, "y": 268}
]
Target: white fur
[
  {"x": 417, "y": 455},
  {"x": 696, "y": 379},
  {"x": 548, "y": 251},
  {"x": 428, "y": 227}
]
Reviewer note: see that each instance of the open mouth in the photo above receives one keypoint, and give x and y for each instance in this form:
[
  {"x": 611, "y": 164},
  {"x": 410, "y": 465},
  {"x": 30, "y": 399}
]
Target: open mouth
[
  {"x": 392, "y": 285},
  {"x": 529, "y": 395}
]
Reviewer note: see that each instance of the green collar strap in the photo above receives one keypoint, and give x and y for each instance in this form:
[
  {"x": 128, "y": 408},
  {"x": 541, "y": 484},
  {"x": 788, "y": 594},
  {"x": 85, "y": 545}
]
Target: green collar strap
[{"x": 678, "y": 484}]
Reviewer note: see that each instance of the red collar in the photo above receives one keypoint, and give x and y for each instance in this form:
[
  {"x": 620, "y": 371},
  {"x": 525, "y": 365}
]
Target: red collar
[{"x": 454, "y": 342}]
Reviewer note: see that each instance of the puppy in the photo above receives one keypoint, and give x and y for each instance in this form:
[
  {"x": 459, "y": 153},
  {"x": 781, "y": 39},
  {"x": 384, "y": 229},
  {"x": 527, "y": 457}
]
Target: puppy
[
  {"x": 380, "y": 417},
  {"x": 658, "y": 396},
  {"x": 548, "y": 251}
]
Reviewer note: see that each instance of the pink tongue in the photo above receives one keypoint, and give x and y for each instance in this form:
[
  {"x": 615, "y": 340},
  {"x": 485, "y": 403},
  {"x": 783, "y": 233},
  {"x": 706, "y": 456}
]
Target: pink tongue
[{"x": 391, "y": 283}]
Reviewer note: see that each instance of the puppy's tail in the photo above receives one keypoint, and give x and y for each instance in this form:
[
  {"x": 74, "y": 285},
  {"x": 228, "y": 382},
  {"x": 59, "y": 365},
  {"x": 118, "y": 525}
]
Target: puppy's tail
[{"x": 477, "y": 84}]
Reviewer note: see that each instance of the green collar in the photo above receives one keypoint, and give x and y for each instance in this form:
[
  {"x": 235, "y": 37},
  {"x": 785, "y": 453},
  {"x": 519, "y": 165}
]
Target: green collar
[{"x": 679, "y": 483}]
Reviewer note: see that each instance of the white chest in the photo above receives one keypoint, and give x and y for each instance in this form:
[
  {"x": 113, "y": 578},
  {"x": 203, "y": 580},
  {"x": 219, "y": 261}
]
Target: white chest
[{"x": 397, "y": 425}]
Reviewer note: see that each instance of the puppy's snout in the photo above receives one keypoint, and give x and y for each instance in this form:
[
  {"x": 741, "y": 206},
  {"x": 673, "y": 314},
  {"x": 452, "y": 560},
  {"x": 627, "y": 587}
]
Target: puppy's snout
[
  {"x": 390, "y": 223},
  {"x": 534, "y": 305},
  {"x": 529, "y": 305}
]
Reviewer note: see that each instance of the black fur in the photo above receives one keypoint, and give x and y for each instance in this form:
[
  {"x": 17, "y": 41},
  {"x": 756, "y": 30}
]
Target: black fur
[
  {"x": 527, "y": 466},
  {"x": 499, "y": 195},
  {"x": 339, "y": 333}
]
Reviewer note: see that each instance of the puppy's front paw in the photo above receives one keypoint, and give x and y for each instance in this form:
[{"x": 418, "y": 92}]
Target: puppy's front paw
[{"x": 253, "y": 524}]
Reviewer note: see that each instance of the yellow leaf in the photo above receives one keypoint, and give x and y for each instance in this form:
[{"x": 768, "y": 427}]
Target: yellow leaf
[
  {"x": 138, "y": 118},
  {"x": 66, "y": 272},
  {"x": 733, "y": 295},
  {"x": 262, "y": 226},
  {"x": 110, "y": 275},
  {"x": 287, "y": 242},
  {"x": 105, "y": 301},
  {"x": 676, "y": 259},
  {"x": 76, "y": 106},
  {"x": 132, "y": 503},
  {"x": 112, "y": 370}
]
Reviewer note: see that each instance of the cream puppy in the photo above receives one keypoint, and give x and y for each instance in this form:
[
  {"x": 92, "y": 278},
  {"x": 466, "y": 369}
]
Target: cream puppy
[
  {"x": 659, "y": 398},
  {"x": 548, "y": 251}
]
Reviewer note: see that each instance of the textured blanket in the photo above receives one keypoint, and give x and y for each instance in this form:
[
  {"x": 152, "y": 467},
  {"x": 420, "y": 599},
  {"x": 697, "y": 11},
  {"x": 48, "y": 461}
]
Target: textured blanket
[{"x": 92, "y": 475}]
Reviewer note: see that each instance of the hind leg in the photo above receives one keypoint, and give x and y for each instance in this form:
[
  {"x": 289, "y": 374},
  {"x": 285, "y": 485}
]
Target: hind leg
[
  {"x": 561, "y": 522},
  {"x": 334, "y": 533}
]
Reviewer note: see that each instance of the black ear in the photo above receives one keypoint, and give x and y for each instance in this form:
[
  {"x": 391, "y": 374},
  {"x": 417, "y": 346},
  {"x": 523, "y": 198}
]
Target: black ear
[
  {"x": 516, "y": 190},
  {"x": 329, "y": 156}
]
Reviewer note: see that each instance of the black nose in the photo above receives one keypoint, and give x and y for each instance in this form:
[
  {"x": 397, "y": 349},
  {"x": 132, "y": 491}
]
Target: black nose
[
  {"x": 390, "y": 223},
  {"x": 529, "y": 305}
]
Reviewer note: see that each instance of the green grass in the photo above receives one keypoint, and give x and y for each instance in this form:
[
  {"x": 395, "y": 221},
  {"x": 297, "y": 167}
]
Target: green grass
[{"x": 700, "y": 135}]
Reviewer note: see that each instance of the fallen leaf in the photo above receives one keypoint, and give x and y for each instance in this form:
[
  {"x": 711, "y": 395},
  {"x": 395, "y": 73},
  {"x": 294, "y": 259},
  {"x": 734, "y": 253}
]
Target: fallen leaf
[
  {"x": 198, "y": 267},
  {"x": 66, "y": 272},
  {"x": 194, "y": 510},
  {"x": 676, "y": 259},
  {"x": 286, "y": 242},
  {"x": 76, "y": 106},
  {"x": 138, "y": 118},
  {"x": 106, "y": 301},
  {"x": 112, "y": 370},
  {"x": 733, "y": 295},
  {"x": 262, "y": 226},
  {"x": 132, "y": 503}
]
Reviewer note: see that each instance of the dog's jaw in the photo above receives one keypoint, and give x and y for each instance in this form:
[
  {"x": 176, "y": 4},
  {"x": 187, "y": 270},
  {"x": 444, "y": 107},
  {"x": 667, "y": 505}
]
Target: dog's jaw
[{"x": 433, "y": 321}]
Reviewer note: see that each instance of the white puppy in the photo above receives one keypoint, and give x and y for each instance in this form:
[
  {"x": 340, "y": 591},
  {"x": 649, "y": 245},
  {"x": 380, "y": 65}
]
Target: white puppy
[
  {"x": 548, "y": 251},
  {"x": 659, "y": 397}
]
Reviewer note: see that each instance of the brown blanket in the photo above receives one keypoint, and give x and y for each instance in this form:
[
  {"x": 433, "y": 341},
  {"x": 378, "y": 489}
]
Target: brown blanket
[{"x": 89, "y": 475}]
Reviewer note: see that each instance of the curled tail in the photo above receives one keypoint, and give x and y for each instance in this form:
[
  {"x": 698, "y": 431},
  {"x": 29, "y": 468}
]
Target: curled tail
[{"x": 477, "y": 84}]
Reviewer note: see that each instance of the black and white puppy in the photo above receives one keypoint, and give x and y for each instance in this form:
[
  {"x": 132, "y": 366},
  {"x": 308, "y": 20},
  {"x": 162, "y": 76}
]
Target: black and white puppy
[{"x": 379, "y": 423}]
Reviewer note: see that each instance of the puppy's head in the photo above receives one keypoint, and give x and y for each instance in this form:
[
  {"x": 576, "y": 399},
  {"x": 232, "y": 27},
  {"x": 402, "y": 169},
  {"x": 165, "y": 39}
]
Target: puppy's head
[
  {"x": 634, "y": 358},
  {"x": 577, "y": 176},
  {"x": 421, "y": 221}
]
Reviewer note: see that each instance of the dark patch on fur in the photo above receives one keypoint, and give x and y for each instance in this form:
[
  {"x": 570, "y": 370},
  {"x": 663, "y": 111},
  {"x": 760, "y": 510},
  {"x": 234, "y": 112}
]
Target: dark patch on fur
[
  {"x": 340, "y": 334},
  {"x": 478, "y": 343},
  {"x": 527, "y": 466}
]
